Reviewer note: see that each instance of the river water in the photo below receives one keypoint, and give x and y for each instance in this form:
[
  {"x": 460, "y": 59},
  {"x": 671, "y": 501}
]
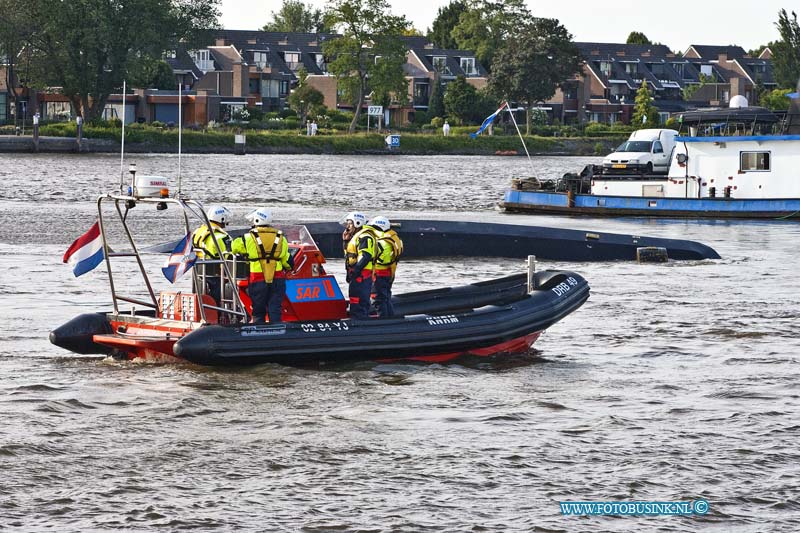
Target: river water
[{"x": 674, "y": 382}]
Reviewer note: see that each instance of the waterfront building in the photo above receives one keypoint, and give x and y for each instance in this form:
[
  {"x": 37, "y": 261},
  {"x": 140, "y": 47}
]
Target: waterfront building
[{"x": 606, "y": 89}]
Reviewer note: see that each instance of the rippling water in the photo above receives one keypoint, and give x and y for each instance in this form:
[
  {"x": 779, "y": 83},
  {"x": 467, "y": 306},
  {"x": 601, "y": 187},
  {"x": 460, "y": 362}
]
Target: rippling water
[{"x": 674, "y": 382}]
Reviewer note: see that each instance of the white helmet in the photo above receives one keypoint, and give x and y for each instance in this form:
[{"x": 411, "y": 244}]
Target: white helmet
[
  {"x": 359, "y": 219},
  {"x": 380, "y": 222},
  {"x": 218, "y": 214},
  {"x": 260, "y": 217}
]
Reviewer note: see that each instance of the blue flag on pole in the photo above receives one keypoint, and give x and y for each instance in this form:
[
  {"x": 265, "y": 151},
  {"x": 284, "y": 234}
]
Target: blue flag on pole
[
  {"x": 487, "y": 121},
  {"x": 180, "y": 261}
]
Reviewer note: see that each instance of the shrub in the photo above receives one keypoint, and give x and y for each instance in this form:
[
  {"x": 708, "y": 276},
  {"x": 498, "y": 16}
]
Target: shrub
[{"x": 437, "y": 122}]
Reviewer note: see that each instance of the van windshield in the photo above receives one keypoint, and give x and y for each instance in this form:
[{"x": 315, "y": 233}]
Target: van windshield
[{"x": 635, "y": 146}]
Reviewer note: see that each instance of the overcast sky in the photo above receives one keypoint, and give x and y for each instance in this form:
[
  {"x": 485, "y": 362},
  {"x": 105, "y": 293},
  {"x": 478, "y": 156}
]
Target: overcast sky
[{"x": 675, "y": 23}]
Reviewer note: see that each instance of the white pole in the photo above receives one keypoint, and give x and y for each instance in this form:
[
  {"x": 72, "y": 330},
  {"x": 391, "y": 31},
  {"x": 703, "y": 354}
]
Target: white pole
[
  {"x": 122, "y": 150},
  {"x": 180, "y": 131},
  {"x": 530, "y": 163}
]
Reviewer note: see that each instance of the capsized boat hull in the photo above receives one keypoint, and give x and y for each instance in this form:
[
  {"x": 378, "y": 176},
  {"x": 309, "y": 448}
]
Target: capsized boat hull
[{"x": 508, "y": 328}]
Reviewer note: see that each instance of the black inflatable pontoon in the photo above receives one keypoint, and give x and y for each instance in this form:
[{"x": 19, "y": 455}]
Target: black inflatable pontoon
[{"x": 449, "y": 327}]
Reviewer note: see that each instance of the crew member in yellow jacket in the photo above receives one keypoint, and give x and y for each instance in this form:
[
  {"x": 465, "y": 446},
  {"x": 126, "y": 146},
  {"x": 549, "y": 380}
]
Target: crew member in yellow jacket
[
  {"x": 359, "y": 255},
  {"x": 204, "y": 241},
  {"x": 268, "y": 252},
  {"x": 388, "y": 248}
]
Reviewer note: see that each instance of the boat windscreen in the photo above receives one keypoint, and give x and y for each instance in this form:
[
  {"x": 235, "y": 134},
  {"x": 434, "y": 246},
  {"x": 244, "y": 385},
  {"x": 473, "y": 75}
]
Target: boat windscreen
[
  {"x": 297, "y": 234},
  {"x": 635, "y": 146}
]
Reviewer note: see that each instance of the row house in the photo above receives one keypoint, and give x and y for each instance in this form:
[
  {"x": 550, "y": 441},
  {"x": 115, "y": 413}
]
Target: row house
[
  {"x": 426, "y": 65},
  {"x": 259, "y": 69},
  {"x": 613, "y": 73}
]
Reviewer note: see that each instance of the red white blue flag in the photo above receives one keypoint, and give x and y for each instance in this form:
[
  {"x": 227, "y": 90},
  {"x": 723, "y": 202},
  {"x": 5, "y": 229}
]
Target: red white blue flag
[
  {"x": 86, "y": 252},
  {"x": 488, "y": 120},
  {"x": 180, "y": 261}
]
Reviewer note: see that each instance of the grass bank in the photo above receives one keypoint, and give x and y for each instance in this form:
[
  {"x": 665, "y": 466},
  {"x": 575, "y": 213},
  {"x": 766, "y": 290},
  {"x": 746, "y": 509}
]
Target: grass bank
[{"x": 148, "y": 139}]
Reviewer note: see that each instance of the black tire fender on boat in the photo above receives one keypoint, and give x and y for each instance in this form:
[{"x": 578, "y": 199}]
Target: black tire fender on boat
[{"x": 76, "y": 335}]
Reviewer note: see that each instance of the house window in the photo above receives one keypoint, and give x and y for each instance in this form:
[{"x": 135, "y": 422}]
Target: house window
[
  {"x": 605, "y": 68},
  {"x": 468, "y": 66},
  {"x": 255, "y": 85},
  {"x": 421, "y": 93},
  {"x": 270, "y": 89},
  {"x": 284, "y": 88},
  {"x": 320, "y": 60},
  {"x": 754, "y": 161},
  {"x": 631, "y": 68},
  {"x": 292, "y": 60},
  {"x": 260, "y": 59},
  {"x": 202, "y": 59},
  {"x": 439, "y": 64}
]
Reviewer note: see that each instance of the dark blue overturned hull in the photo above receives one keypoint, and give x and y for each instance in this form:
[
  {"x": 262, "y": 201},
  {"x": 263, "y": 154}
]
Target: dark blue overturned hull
[
  {"x": 587, "y": 204},
  {"x": 442, "y": 238}
]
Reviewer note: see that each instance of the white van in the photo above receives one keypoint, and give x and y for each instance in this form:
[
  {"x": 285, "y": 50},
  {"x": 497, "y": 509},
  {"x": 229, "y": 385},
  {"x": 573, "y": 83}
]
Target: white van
[{"x": 645, "y": 152}]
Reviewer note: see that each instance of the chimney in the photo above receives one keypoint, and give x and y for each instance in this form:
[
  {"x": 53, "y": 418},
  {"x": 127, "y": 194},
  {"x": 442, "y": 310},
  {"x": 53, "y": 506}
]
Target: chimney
[{"x": 723, "y": 58}]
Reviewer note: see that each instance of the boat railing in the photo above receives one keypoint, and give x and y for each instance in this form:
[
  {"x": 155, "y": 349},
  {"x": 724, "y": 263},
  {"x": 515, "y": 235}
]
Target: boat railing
[{"x": 231, "y": 309}]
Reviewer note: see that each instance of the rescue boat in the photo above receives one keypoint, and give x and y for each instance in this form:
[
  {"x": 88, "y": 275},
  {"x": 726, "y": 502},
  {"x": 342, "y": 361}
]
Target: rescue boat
[{"x": 488, "y": 318}]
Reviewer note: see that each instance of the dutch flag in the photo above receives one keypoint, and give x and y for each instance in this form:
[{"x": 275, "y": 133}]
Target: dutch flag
[{"x": 86, "y": 252}]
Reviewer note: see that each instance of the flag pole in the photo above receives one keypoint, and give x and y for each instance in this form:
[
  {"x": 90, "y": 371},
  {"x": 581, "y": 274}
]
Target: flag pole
[
  {"x": 530, "y": 163},
  {"x": 122, "y": 149}
]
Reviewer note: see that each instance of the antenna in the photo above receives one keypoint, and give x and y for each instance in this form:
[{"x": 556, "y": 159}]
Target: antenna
[
  {"x": 122, "y": 150},
  {"x": 180, "y": 123}
]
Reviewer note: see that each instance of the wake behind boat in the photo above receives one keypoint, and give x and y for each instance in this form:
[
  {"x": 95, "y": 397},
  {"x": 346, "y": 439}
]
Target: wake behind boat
[{"x": 487, "y": 318}]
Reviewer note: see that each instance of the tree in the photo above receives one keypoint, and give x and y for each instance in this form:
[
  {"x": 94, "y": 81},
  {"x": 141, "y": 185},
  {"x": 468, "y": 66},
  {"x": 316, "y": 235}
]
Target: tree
[
  {"x": 645, "y": 114},
  {"x": 485, "y": 24},
  {"x": 441, "y": 34},
  {"x": 369, "y": 54},
  {"x": 533, "y": 61},
  {"x": 88, "y": 47},
  {"x": 786, "y": 51},
  {"x": 295, "y": 16},
  {"x": 16, "y": 29},
  {"x": 305, "y": 99},
  {"x": 637, "y": 37},
  {"x": 436, "y": 100},
  {"x": 776, "y": 99},
  {"x": 755, "y": 52},
  {"x": 460, "y": 99}
]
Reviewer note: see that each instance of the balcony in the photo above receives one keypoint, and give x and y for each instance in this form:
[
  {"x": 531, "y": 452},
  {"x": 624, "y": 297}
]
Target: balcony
[{"x": 206, "y": 65}]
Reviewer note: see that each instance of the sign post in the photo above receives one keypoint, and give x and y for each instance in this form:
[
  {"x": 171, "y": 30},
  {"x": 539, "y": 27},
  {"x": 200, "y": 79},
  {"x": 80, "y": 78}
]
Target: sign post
[
  {"x": 392, "y": 141},
  {"x": 374, "y": 111}
]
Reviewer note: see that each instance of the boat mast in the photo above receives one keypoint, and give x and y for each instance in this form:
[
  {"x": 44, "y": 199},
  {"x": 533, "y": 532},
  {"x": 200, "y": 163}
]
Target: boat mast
[{"x": 180, "y": 120}]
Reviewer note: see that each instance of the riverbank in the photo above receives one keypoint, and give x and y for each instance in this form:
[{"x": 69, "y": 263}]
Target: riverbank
[{"x": 291, "y": 143}]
